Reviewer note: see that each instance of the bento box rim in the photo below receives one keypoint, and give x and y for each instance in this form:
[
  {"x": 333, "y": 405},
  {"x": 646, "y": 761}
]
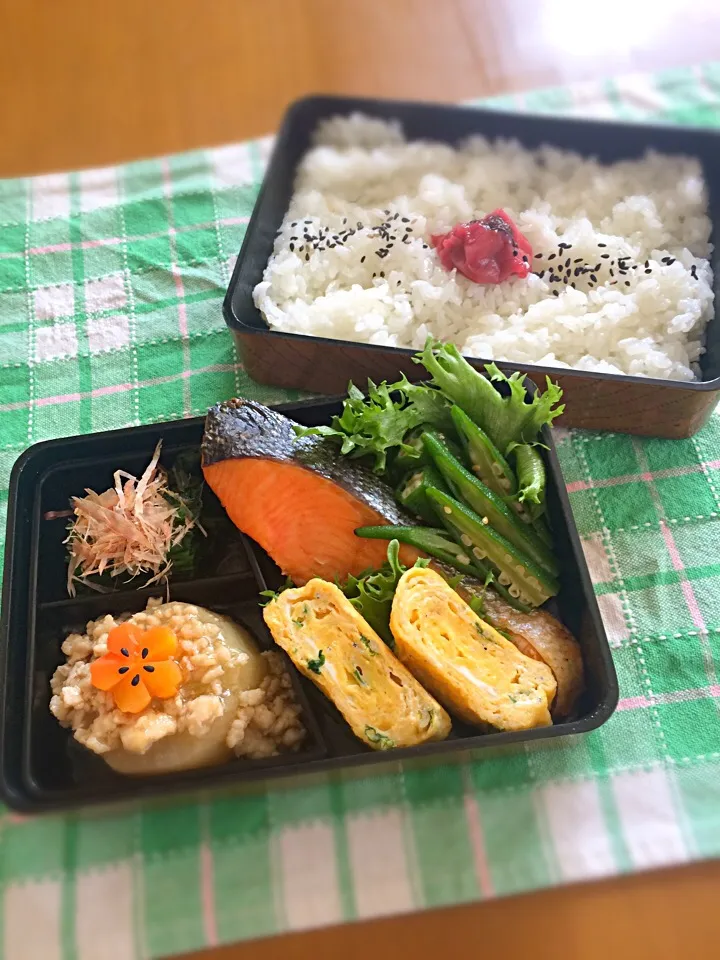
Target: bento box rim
[{"x": 26, "y": 801}]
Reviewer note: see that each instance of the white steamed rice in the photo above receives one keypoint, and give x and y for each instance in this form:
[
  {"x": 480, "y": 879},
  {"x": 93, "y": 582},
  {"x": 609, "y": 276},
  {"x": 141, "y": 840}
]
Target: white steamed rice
[{"x": 362, "y": 172}]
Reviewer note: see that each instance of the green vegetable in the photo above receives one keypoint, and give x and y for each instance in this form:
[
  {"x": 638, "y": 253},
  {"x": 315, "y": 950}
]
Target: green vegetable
[
  {"x": 316, "y": 665},
  {"x": 477, "y": 605},
  {"x": 411, "y": 492},
  {"x": 358, "y": 674},
  {"x": 435, "y": 542},
  {"x": 274, "y": 594},
  {"x": 487, "y": 504},
  {"x": 524, "y": 578},
  {"x": 368, "y": 645},
  {"x": 531, "y": 479},
  {"x": 372, "y": 593},
  {"x": 381, "y": 739},
  {"x": 487, "y": 461},
  {"x": 377, "y": 425},
  {"x": 482, "y": 573},
  {"x": 412, "y": 455},
  {"x": 506, "y": 420},
  {"x": 185, "y": 490}
]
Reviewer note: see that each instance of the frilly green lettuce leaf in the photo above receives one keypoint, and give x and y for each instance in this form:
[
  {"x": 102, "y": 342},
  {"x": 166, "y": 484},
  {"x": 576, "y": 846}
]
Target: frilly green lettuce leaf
[
  {"x": 376, "y": 424},
  {"x": 372, "y": 592}
]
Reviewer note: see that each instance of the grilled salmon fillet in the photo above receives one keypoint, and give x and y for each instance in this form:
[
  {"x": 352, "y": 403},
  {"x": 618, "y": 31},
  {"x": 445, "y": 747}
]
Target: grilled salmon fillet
[{"x": 296, "y": 496}]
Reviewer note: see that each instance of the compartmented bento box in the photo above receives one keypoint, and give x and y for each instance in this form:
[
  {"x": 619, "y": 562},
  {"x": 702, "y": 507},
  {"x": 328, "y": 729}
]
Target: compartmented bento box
[
  {"x": 598, "y": 401},
  {"x": 41, "y": 765}
]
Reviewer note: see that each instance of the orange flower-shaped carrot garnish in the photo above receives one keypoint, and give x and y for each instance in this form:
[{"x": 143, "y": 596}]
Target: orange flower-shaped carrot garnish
[{"x": 138, "y": 666}]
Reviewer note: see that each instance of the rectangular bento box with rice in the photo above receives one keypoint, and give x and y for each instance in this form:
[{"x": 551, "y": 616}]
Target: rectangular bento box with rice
[
  {"x": 615, "y": 301},
  {"x": 108, "y": 687}
]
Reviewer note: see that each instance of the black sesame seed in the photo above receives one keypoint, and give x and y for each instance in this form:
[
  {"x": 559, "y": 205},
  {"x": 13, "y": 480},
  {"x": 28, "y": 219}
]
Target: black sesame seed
[
  {"x": 647, "y": 264},
  {"x": 671, "y": 261},
  {"x": 627, "y": 283},
  {"x": 144, "y": 653},
  {"x": 135, "y": 680},
  {"x": 567, "y": 262},
  {"x": 577, "y": 260},
  {"x": 602, "y": 244},
  {"x": 382, "y": 274},
  {"x": 604, "y": 256},
  {"x": 538, "y": 256},
  {"x": 525, "y": 260},
  {"x": 294, "y": 223},
  {"x": 593, "y": 278},
  {"x": 124, "y": 652},
  {"x": 406, "y": 219},
  {"x": 344, "y": 219},
  {"x": 648, "y": 271},
  {"x": 573, "y": 286},
  {"x": 307, "y": 257},
  {"x": 149, "y": 668},
  {"x": 552, "y": 256},
  {"x": 123, "y": 670},
  {"x": 556, "y": 293},
  {"x": 612, "y": 272},
  {"x": 564, "y": 246},
  {"x": 362, "y": 259},
  {"x": 292, "y": 248},
  {"x": 515, "y": 253},
  {"x": 565, "y": 279},
  {"x": 578, "y": 271},
  {"x": 405, "y": 238}
]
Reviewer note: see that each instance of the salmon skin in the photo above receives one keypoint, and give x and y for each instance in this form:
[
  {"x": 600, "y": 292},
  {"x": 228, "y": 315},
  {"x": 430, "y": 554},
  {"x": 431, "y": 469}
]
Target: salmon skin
[{"x": 296, "y": 496}]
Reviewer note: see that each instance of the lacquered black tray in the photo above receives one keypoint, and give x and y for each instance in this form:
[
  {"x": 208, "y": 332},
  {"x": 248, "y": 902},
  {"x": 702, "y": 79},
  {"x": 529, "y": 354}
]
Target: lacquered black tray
[{"x": 43, "y": 768}]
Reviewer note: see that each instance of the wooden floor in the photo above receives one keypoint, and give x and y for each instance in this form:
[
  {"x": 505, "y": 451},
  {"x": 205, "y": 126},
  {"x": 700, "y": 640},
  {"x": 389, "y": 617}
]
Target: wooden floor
[{"x": 87, "y": 83}]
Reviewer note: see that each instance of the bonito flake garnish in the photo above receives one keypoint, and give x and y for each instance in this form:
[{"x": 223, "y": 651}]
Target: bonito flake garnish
[{"x": 129, "y": 529}]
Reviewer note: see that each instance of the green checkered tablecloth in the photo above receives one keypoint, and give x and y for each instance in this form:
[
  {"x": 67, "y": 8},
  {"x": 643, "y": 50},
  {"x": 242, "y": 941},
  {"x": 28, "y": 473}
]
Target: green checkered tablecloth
[{"x": 110, "y": 290}]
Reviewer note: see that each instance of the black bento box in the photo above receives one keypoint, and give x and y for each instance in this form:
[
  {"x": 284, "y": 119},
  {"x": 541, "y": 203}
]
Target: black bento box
[
  {"x": 43, "y": 768},
  {"x": 595, "y": 401}
]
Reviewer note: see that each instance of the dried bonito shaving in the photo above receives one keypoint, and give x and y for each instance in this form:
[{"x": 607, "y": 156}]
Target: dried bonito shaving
[{"x": 129, "y": 529}]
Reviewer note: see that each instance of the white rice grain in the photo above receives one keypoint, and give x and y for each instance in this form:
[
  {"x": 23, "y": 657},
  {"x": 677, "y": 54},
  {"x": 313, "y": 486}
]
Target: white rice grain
[{"x": 362, "y": 171}]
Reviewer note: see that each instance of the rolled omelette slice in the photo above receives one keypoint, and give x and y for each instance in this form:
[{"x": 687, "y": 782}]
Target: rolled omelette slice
[
  {"x": 472, "y": 669},
  {"x": 332, "y": 645}
]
